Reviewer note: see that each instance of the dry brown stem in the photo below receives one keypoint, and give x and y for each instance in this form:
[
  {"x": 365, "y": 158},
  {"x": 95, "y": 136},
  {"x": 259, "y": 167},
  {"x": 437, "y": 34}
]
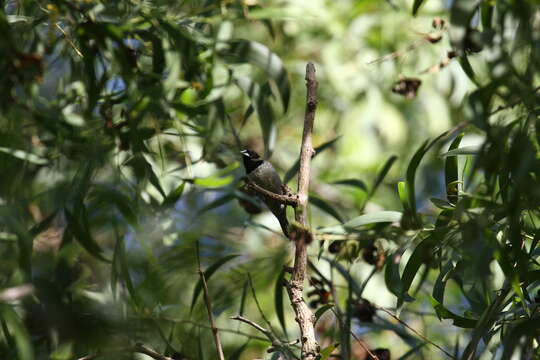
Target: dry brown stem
[{"x": 302, "y": 236}]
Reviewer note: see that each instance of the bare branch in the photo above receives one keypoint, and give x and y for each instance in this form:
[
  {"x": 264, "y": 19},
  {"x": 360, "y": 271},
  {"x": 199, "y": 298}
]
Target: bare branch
[
  {"x": 287, "y": 199},
  {"x": 302, "y": 235}
]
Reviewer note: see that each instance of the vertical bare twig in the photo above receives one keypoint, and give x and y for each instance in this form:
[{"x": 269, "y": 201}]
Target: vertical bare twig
[
  {"x": 208, "y": 303},
  {"x": 303, "y": 236}
]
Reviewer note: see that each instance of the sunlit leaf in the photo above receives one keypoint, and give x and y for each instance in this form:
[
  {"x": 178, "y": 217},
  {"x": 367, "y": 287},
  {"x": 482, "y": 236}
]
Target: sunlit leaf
[
  {"x": 24, "y": 155},
  {"x": 327, "y": 351},
  {"x": 18, "y": 332},
  {"x": 362, "y": 220}
]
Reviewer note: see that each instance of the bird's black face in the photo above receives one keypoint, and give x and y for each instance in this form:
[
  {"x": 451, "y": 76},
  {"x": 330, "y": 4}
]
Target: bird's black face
[{"x": 251, "y": 160}]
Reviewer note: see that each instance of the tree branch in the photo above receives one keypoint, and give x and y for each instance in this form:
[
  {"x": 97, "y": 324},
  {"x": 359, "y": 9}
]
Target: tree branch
[
  {"x": 303, "y": 236},
  {"x": 287, "y": 199}
]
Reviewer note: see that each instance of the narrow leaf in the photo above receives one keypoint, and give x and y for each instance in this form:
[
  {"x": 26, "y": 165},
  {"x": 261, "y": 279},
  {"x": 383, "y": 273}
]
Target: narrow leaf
[
  {"x": 207, "y": 274},
  {"x": 278, "y": 300},
  {"x": 325, "y": 206},
  {"x": 362, "y": 220},
  {"x": 24, "y": 155},
  {"x": 320, "y": 311},
  {"x": 451, "y": 172},
  {"x": 416, "y": 6},
  {"x": 352, "y": 182},
  {"x": 382, "y": 174}
]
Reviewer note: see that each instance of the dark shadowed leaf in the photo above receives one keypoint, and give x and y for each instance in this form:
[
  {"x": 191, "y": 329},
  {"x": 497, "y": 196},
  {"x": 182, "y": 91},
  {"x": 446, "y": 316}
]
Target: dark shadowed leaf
[
  {"x": 352, "y": 182},
  {"x": 451, "y": 172},
  {"x": 416, "y": 6},
  {"x": 79, "y": 228},
  {"x": 18, "y": 332},
  {"x": 325, "y": 206},
  {"x": 382, "y": 174},
  {"x": 278, "y": 300},
  {"x": 320, "y": 311},
  {"x": 174, "y": 195},
  {"x": 207, "y": 274},
  {"x": 236, "y": 354},
  {"x": 444, "y": 313}
]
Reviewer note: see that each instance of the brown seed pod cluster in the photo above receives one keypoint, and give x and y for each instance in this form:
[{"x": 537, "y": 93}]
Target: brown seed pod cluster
[
  {"x": 363, "y": 310},
  {"x": 320, "y": 294},
  {"x": 380, "y": 353}
]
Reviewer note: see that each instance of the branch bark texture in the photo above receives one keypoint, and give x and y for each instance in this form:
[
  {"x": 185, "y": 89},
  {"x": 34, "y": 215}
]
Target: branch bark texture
[{"x": 303, "y": 236}]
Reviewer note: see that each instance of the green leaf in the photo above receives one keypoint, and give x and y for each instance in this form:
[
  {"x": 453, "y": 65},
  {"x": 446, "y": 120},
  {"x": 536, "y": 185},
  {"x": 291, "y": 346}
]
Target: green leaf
[
  {"x": 461, "y": 14},
  {"x": 325, "y": 206},
  {"x": 391, "y": 275},
  {"x": 174, "y": 195},
  {"x": 352, "y": 182},
  {"x": 382, "y": 174},
  {"x": 243, "y": 299},
  {"x": 319, "y": 149},
  {"x": 327, "y": 351},
  {"x": 240, "y": 51},
  {"x": 486, "y": 14},
  {"x": 411, "y": 174},
  {"x": 442, "y": 204},
  {"x": 212, "y": 181},
  {"x": 444, "y": 313},
  {"x": 465, "y": 150},
  {"x": 420, "y": 255},
  {"x": 451, "y": 175},
  {"x": 236, "y": 354},
  {"x": 416, "y": 6},
  {"x": 527, "y": 328},
  {"x": 80, "y": 229},
  {"x": 207, "y": 274},
  {"x": 413, "y": 351},
  {"x": 278, "y": 300},
  {"x": 24, "y": 155},
  {"x": 18, "y": 332},
  {"x": 467, "y": 68},
  {"x": 362, "y": 220},
  {"x": 320, "y": 311}
]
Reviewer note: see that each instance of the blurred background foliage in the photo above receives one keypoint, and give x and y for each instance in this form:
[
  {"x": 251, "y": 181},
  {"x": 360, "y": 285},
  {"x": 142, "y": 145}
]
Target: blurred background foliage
[{"x": 121, "y": 125}]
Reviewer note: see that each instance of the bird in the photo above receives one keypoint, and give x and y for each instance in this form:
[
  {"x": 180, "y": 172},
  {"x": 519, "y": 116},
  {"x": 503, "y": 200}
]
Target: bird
[{"x": 263, "y": 174}]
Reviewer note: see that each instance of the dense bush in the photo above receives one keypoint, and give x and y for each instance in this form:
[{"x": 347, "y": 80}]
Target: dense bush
[{"x": 121, "y": 125}]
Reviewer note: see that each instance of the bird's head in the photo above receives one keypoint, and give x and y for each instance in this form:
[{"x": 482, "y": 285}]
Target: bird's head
[{"x": 251, "y": 160}]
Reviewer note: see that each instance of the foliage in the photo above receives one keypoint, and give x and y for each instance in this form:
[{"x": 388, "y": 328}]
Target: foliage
[{"x": 121, "y": 124}]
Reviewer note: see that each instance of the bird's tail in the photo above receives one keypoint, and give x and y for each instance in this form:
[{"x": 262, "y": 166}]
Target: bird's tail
[{"x": 284, "y": 225}]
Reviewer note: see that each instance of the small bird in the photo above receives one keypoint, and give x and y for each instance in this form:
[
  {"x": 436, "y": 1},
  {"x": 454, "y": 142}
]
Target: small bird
[{"x": 263, "y": 174}]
